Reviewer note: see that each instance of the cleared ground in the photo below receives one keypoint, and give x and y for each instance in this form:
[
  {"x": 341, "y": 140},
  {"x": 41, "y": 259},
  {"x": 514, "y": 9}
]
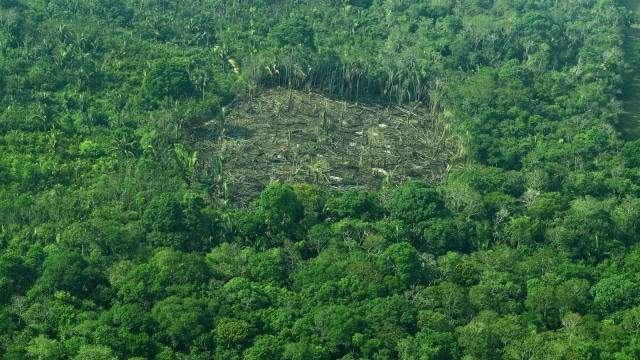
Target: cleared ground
[
  {"x": 630, "y": 119},
  {"x": 304, "y": 137}
]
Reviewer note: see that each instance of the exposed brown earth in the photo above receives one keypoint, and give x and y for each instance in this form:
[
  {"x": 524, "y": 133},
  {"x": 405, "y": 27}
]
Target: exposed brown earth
[
  {"x": 292, "y": 136},
  {"x": 630, "y": 119}
]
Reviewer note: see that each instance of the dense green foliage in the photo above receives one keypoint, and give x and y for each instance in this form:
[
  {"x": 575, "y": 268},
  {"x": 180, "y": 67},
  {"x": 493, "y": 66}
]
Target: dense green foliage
[{"x": 116, "y": 239}]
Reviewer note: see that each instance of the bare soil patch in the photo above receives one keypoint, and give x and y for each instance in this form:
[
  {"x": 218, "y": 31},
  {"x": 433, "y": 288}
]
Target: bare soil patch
[
  {"x": 629, "y": 125},
  {"x": 292, "y": 136}
]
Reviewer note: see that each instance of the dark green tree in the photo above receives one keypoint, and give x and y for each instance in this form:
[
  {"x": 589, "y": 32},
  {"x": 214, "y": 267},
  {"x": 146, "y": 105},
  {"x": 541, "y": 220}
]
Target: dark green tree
[
  {"x": 281, "y": 209},
  {"x": 354, "y": 204},
  {"x": 168, "y": 80},
  {"x": 294, "y": 32},
  {"x": 402, "y": 262},
  {"x": 65, "y": 270}
]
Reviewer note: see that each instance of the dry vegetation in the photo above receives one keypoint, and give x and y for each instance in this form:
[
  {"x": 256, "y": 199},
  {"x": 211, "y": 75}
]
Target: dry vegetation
[
  {"x": 630, "y": 118},
  {"x": 305, "y": 137}
]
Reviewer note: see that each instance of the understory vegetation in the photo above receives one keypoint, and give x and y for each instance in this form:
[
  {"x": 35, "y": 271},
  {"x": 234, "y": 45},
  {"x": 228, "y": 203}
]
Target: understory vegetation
[{"x": 307, "y": 179}]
